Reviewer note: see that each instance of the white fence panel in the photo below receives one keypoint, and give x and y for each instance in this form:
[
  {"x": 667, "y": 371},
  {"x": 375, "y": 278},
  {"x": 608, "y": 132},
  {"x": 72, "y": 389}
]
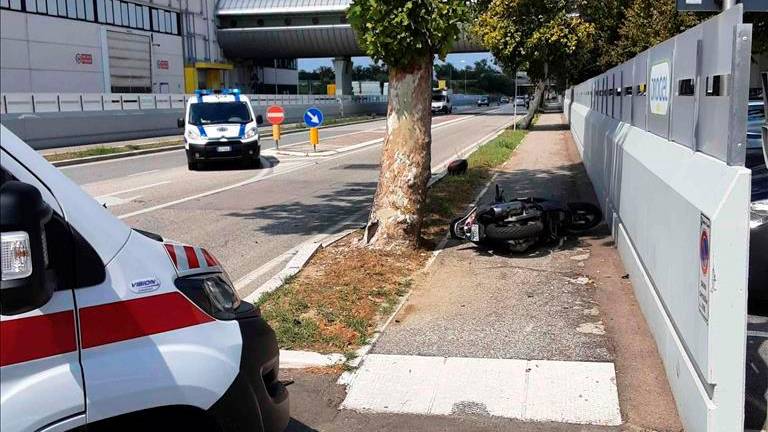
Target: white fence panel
[
  {"x": 92, "y": 102},
  {"x": 112, "y": 102},
  {"x": 146, "y": 101},
  {"x": 46, "y": 102},
  {"x": 19, "y": 103},
  {"x": 70, "y": 102},
  {"x": 178, "y": 101}
]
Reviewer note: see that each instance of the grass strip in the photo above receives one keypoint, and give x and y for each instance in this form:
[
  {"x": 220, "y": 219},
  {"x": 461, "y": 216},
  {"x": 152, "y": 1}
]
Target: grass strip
[
  {"x": 105, "y": 150},
  {"x": 336, "y": 302}
]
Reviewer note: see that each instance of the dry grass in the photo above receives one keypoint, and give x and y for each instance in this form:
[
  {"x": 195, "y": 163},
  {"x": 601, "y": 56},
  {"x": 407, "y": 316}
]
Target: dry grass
[
  {"x": 100, "y": 151},
  {"x": 336, "y": 302}
]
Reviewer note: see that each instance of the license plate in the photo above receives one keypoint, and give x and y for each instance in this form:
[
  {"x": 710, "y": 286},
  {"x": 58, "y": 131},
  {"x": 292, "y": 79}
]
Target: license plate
[
  {"x": 222, "y": 149},
  {"x": 475, "y": 236}
]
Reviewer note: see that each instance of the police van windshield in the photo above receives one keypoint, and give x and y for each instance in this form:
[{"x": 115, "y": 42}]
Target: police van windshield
[
  {"x": 219, "y": 112},
  {"x": 438, "y": 98}
]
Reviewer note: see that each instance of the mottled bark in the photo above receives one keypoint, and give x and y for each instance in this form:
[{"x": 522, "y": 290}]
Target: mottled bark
[{"x": 398, "y": 206}]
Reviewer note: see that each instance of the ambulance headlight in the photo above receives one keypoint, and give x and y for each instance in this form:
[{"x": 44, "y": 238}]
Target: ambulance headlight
[
  {"x": 252, "y": 132},
  {"x": 215, "y": 294},
  {"x": 193, "y": 134}
]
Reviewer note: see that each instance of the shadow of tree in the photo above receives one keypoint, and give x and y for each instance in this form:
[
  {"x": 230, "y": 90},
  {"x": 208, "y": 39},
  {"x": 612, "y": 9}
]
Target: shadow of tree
[{"x": 315, "y": 216}]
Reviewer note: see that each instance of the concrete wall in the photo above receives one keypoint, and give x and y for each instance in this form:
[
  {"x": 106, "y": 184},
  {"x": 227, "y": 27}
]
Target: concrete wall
[
  {"x": 61, "y": 129},
  {"x": 39, "y": 54},
  {"x": 669, "y": 175}
]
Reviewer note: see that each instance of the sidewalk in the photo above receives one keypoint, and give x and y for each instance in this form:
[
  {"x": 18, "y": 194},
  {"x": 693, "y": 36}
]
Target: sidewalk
[{"x": 525, "y": 337}]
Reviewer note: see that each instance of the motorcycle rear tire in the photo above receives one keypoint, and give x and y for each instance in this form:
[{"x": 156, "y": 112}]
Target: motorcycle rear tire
[
  {"x": 513, "y": 232},
  {"x": 452, "y": 229},
  {"x": 593, "y": 213}
]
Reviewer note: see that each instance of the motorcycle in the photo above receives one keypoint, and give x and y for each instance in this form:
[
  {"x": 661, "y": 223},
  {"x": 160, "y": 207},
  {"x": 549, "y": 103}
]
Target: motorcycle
[{"x": 523, "y": 222}]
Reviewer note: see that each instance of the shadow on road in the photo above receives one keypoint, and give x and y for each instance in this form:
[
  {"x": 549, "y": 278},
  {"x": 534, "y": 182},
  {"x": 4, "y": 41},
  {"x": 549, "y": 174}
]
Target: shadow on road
[
  {"x": 297, "y": 426},
  {"x": 316, "y": 214},
  {"x": 237, "y": 165},
  {"x": 755, "y": 409}
]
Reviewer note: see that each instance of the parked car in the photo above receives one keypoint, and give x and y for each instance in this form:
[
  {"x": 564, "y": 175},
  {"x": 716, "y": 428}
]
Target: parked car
[
  {"x": 483, "y": 101},
  {"x": 442, "y": 101}
]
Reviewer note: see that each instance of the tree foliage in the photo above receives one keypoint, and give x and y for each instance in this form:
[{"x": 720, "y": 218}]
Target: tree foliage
[
  {"x": 402, "y": 33},
  {"x": 544, "y": 37}
]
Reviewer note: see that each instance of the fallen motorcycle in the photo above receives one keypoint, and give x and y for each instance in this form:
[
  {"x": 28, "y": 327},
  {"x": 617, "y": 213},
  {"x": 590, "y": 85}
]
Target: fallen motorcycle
[{"x": 523, "y": 222}]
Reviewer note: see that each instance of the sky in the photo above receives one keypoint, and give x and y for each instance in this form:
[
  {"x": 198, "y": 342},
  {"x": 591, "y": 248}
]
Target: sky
[{"x": 455, "y": 59}]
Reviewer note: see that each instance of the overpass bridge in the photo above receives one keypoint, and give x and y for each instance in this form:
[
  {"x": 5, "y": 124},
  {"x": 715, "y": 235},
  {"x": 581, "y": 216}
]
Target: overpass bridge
[{"x": 280, "y": 29}]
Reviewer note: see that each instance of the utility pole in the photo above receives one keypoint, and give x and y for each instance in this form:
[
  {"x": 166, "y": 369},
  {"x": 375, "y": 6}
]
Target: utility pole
[
  {"x": 727, "y": 4},
  {"x": 514, "y": 104}
]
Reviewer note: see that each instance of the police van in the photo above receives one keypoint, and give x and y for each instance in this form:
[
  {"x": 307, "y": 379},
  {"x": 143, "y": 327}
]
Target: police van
[
  {"x": 104, "y": 327},
  {"x": 220, "y": 126}
]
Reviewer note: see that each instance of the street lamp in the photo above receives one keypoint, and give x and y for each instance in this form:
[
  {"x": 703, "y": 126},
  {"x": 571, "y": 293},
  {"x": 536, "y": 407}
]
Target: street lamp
[{"x": 465, "y": 76}]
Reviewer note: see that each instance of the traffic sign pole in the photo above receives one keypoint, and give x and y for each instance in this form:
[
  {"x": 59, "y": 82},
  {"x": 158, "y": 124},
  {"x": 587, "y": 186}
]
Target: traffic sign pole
[
  {"x": 276, "y": 135},
  {"x": 314, "y": 137}
]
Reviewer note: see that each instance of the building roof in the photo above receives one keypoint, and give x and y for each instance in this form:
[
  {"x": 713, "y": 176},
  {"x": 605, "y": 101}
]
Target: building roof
[{"x": 277, "y": 7}]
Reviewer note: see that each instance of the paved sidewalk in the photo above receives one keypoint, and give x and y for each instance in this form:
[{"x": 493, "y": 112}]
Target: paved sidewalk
[{"x": 534, "y": 336}]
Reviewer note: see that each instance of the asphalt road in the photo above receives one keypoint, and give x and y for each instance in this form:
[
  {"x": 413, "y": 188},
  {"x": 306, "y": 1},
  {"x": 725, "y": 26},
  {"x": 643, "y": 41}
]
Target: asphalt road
[{"x": 251, "y": 219}]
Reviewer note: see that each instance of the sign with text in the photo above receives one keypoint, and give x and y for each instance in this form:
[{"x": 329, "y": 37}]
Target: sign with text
[
  {"x": 717, "y": 5},
  {"x": 84, "y": 58},
  {"x": 660, "y": 88},
  {"x": 162, "y": 64}
]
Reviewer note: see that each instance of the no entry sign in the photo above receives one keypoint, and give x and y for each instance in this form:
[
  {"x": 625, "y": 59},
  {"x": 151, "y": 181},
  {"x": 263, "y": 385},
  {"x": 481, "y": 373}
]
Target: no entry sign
[{"x": 275, "y": 115}]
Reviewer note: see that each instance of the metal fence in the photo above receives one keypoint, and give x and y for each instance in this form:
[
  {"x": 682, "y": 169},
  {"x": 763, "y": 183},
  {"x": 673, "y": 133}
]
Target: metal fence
[
  {"x": 663, "y": 138},
  {"x": 23, "y": 103}
]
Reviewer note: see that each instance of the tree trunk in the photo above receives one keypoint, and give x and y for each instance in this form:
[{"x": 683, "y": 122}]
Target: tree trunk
[{"x": 398, "y": 206}]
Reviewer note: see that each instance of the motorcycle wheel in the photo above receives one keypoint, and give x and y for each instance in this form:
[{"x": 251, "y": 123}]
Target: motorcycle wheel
[
  {"x": 584, "y": 216},
  {"x": 513, "y": 232}
]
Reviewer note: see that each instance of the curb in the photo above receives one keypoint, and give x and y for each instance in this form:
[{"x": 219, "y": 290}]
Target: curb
[
  {"x": 120, "y": 155},
  {"x": 306, "y": 359},
  {"x": 327, "y": 152}
]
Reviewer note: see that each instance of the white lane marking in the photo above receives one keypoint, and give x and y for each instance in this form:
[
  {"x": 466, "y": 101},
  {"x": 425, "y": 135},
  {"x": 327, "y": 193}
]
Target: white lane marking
[
  {"x": 143, "y": 173},
  {"x": 113, "y": 201},
  {"x": 536, "y": 390},
  {"x": 265, "y": 175},
  {"x": 133, "y": 189}
]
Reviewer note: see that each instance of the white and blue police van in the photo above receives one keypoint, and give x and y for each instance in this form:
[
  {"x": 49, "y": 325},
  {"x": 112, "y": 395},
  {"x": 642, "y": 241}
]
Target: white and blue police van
[
  {"x": 220, "y": 126},
  {"x": 104, "y": 327}
]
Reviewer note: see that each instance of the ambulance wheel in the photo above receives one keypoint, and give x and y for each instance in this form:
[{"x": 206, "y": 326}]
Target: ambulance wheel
[
  {"x": 251, "y": 162},
  {"x": 193, "y": 166}
]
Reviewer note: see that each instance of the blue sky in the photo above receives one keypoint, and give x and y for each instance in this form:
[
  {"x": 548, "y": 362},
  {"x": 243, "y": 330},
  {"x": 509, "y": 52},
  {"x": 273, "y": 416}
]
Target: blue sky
[{"x": 455, "y": 59}]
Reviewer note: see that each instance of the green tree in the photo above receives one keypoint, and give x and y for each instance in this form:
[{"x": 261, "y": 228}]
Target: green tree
[
  {"x": 406, "y": 35},
  {"x": 543, "y": 37}
]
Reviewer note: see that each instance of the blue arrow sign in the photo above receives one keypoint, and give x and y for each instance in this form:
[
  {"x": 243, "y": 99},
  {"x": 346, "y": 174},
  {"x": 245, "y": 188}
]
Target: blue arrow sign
[{"x": 313, "y": 117}]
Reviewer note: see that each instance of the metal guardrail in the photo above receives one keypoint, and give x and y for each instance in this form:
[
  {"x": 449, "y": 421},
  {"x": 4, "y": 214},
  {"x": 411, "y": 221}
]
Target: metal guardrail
[{"x": 23, "y": 103}]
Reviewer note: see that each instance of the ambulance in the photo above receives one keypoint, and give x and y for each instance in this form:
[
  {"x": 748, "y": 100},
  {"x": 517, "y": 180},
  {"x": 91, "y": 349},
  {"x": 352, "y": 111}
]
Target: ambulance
[
  {"x": 104, "y": 327},
  {"x": 220, "y": 126}
]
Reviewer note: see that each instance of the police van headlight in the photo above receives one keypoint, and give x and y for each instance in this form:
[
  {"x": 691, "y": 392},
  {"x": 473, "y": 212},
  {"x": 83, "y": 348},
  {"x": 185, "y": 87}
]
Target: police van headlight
[
  {"x": 215, "y": 294},
  {"x": 193, "y": 134},
  {"x": 252, "y": 133},
  {"x": 758, "y": 214}
]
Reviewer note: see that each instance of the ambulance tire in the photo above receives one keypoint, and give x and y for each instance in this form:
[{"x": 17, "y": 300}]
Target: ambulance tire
[{"x": 193, "y": 166}]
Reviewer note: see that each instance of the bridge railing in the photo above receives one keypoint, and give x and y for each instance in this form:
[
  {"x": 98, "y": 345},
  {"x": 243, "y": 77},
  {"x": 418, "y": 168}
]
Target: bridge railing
[{"x": 28, "y": 103}]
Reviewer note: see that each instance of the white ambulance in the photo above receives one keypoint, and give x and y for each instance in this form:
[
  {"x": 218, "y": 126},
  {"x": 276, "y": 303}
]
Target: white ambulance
[
  {"x": 220, "y": 126},
  {"x": 103, "y": 327}
]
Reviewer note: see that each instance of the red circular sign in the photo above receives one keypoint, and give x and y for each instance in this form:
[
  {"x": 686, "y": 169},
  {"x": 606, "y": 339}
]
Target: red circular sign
[
  {"x": 275, "y": 115},
  {"x": 704, "y": 253}
]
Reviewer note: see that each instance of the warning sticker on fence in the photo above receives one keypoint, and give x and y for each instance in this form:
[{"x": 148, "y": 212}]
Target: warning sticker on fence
[{"x": 705, "y": 266}]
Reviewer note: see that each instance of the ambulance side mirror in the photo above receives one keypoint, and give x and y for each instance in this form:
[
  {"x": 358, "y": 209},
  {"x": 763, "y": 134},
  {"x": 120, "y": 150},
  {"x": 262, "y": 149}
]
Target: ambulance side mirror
[
  {"x": 180, "y": 123},
  {"x": 23, "y": 215},
  {"x": 259, "y": 119}
]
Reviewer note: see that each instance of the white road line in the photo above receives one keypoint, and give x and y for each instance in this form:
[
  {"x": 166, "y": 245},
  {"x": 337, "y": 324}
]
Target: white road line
[
  {"x": 134, "y": 189},
  {"x": 530, "y": 390},
  {"x": 143, "y": 173}
]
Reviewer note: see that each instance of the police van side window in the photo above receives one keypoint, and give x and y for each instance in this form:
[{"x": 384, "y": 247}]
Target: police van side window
[{"x": 71, "y": 260}]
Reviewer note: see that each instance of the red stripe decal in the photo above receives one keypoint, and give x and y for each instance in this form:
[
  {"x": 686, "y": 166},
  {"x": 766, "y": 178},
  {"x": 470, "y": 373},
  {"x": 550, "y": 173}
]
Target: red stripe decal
[
  {"x": 172, "y": 252},
  {"x": 191, "y": 257},
  {"x": 210, "y": 261},
  {"x": 115, "y": 322},
  {"x": 37, "y": 337}
]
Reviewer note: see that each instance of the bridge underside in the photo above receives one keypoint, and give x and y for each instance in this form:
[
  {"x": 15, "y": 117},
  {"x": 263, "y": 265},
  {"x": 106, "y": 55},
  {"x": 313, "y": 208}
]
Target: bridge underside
[{"x": 269, "y": 29}]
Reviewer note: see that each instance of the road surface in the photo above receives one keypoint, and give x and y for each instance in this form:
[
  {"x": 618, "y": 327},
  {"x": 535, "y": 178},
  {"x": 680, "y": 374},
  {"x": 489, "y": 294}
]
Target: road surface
[{"x": 252, "y": 219}]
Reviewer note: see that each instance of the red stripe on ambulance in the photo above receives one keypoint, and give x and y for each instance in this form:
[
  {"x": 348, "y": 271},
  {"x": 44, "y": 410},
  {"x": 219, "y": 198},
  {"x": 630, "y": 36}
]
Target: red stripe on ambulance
[
  {"x": 37, "y": 337},
  {"x": 172, "y": 253},
  {"x": 115, "y": 322},
  {"x": 192, "y": 260}
]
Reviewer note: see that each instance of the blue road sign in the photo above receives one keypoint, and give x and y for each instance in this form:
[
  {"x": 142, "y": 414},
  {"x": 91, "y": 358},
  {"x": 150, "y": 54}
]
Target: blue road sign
[{"x": 313, "y": 117}]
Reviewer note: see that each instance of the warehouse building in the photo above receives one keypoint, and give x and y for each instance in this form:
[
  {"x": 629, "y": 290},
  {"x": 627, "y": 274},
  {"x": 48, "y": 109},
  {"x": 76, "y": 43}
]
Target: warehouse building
[{"x": 103, "y": 46}]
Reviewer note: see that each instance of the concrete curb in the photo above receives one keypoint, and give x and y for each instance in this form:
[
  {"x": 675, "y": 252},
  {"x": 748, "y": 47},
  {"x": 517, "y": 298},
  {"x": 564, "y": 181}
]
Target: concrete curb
[
  {"x": 327, "y": 152},
  {"x": 84, "y": 160},
  {"x": 306, "y": 359},
  {"x": 88, "y": 159}
]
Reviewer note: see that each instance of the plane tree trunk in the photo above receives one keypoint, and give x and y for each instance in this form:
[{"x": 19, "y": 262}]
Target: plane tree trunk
[{"x": 398, "y": 206}]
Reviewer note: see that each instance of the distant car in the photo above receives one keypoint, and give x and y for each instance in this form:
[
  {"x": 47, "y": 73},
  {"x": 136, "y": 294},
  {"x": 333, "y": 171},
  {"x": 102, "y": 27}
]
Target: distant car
[
  {"x": 483, "y": 101},
  {"x": 520, "y": 101},
  {"x": 504, "y": 100}
]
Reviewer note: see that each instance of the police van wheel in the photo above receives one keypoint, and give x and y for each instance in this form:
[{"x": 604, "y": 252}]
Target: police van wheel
[{"x": 192, "y": 166}]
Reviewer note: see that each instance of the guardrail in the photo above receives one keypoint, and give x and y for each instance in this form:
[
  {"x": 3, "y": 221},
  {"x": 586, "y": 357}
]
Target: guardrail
[
  {"x": 23, "y": 103},
  {"x": 662, "y": 139}
]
